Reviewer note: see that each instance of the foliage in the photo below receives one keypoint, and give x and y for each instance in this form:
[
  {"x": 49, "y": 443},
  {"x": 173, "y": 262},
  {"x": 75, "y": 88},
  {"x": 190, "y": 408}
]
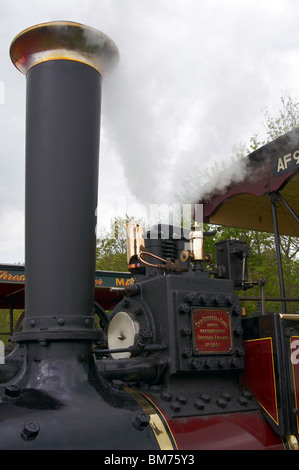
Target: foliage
[
  {"x": 5, "y": 323},
  {"x": 262, "y": 264},
  {"x": 287, "y": 119},
  {"x": 111, "y": 252},
  {"x": 276, "y": 126},
  {"x": 263, "y": 261}
]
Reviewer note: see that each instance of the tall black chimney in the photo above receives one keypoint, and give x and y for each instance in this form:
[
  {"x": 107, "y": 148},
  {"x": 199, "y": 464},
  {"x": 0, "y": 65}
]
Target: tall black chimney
[
  {"x": 63, "y": 63},
  {"x": 52, "y": 394}
]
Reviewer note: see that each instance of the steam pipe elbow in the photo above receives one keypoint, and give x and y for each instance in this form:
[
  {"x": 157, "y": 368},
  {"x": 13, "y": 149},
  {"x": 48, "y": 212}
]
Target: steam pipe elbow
[{"x": 136, "y": 369}]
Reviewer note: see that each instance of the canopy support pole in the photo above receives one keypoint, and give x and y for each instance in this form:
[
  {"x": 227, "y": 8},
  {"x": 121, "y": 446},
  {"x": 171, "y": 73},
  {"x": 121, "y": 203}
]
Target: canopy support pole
[
  {"x": 273, "y": 199},
  {"x": 288, "y": 207}
]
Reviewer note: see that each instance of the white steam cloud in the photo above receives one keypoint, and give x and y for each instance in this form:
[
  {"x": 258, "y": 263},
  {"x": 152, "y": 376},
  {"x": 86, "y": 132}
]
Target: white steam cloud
[
  {"x": 191, "y": 90},
  {"x": 192, "y": 81}
]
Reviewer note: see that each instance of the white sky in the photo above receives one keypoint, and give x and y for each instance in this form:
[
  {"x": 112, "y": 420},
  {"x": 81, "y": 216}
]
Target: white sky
[{"x": 193, "y": 79}]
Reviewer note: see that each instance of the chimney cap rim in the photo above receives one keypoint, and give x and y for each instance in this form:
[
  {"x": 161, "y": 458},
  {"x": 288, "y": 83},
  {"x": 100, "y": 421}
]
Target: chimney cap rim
[{"x": 63, "y": 40}]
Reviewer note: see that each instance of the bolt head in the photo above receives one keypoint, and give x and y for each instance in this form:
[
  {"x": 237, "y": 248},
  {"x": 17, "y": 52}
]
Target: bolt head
[
  {"x": 221, "y": 402},
  {"x": 199, "y": 404},
  {"x": 166, "y": 396},
  {"x": 175, "y": 406},
  {"x": 205, "y": 398},
  {"x": 187, "y": 352},
  {"x": 242, "y": 400},
  {"x": 141, "y": 421},
  {"x": 30, "y": 430},
  {"x": 182, "y": 399},
  {"x": 226, "y": 396}
]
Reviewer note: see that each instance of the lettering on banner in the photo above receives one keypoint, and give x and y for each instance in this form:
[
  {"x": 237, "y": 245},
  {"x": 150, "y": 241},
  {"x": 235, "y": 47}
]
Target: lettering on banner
[
  {"x": 122, "y": 282},
  {"x": 285, "y": 163},
  {"x": 6, "y": 276}
]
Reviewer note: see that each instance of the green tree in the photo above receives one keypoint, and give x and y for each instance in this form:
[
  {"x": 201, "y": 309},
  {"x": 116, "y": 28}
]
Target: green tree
[
  {"x": 111, "y": 252},
  {"x": 5, "y": 323},
  {"x": 286, "y": 120},
  {"x": 262, "y": 261}
]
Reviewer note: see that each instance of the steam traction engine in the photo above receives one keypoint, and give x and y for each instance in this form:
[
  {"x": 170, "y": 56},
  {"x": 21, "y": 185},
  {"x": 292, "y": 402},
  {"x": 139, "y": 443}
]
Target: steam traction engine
[
  {"x": 175, "y": 366},
  {"x": 220, "y": 380}
]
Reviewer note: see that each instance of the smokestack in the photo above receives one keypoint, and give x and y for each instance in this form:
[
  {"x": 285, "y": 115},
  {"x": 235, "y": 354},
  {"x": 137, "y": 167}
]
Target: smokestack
[
  {"x": 63, "y": 63},
  {"x": 52, "y": 395}
]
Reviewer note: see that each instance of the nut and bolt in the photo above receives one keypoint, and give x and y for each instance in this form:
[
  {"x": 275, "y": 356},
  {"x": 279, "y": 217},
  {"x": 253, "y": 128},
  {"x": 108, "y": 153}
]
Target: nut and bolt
[
  {"x": 199, "y": 403},
  {"x": 175, "y": 406},
  {"x": 184, "y": 308},
  {"x": 30, "y": 430},
  {"x": 221, "y": 402},
  {"x": 242, "y": 400},
  {"x": 141, "y": 421},
  {"x": 187, "y": 352},
  {"x": 186, "y": 330},
  {"x": 166, "y": 396}
]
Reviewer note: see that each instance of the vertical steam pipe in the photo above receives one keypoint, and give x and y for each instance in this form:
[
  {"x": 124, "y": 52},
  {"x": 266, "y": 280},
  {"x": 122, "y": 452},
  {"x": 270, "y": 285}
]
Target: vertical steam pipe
[{"x": 63, "y": 63}]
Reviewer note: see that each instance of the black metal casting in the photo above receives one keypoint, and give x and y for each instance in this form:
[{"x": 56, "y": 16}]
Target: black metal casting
[{"x": 52, "y": 394}]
